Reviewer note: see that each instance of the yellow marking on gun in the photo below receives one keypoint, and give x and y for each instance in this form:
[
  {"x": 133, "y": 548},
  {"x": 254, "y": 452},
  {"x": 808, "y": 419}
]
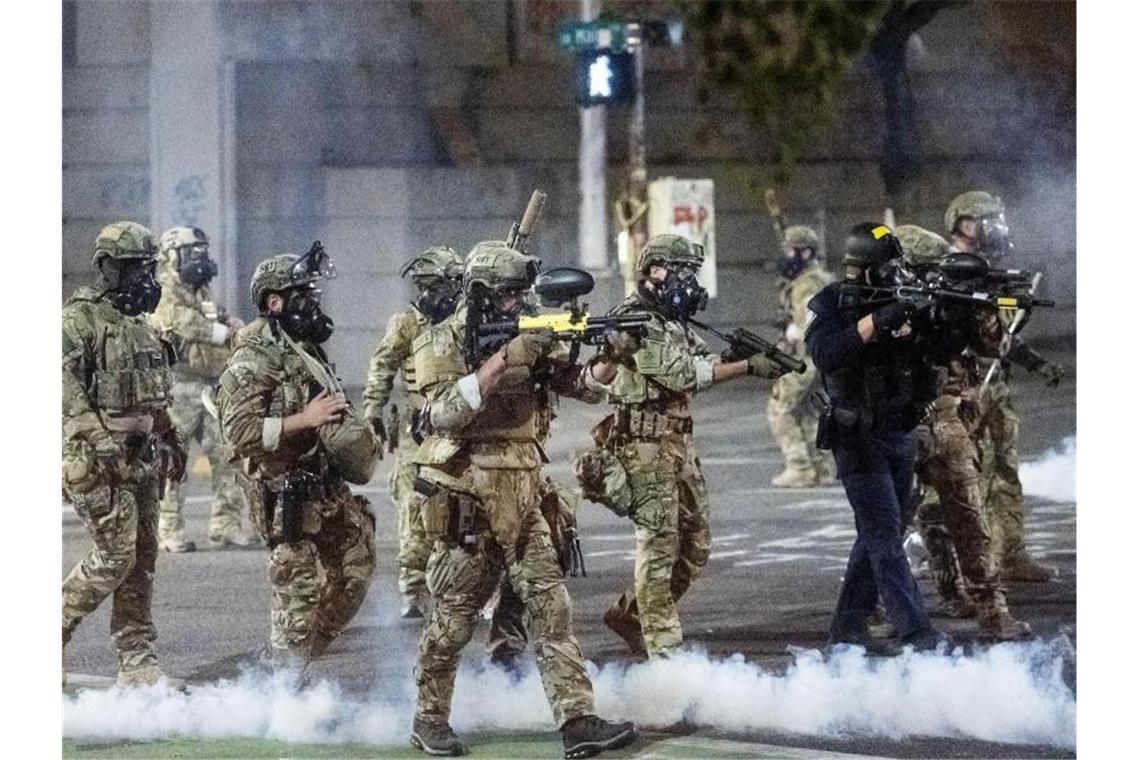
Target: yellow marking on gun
[
  {"x": 881, "y": 230},
  {"x": 563, "y": 322},
  {"x": 1007, "y": 302}
]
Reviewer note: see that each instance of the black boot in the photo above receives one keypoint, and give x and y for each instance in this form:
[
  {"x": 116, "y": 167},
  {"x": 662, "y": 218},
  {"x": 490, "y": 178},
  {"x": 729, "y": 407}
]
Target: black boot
[
  {"x": 588, "y": 735},
  {"x": 436, "y": 739}
]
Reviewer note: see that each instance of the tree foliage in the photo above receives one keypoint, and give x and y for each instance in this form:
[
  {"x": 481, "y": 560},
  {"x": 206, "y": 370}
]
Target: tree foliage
[{"x": 783, "y": 62}]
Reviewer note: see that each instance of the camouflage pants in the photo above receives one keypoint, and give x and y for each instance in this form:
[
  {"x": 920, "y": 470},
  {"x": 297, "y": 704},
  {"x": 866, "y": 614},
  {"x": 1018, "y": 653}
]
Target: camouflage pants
[
  {"x": 121, "y": 518},
  {"x": 670, "y": 512},
  {"x": 414, "y": 548},
  {"x": 512, "y": 538},
  {"x": 507, "y": 638},
  {"x": 997, "y": 436},
  {"x": 948, "y": 461},
  {"x": 794, "y": 421},
  {"x": 320, "y": 581},
  {"x": 194, "y": 423}
]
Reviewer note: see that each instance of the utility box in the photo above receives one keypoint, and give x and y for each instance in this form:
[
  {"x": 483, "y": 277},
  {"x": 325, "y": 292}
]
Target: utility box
[{"x": 685, "y": 207}]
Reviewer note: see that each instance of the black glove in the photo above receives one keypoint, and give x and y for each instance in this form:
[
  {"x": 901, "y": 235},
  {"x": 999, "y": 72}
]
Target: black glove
[
  {"x": 378, "y": 429},
  {"x": 891, "y": 317}
]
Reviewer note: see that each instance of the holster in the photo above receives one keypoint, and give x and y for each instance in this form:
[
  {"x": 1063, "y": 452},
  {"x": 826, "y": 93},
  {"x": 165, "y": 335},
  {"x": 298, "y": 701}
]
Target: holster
[
  {"x": 448, "y": 514},
  {"x": 296, "y": 487},
  {"x": 825, "y": 431}
]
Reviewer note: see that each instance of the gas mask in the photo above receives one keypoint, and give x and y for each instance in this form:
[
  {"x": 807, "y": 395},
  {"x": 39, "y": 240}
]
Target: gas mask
[
  {"x": 790, "y": 266},
  {"x": 679, "y": 295},
  {"x": 302, "y": 317},
  {"x": 993, "y": 239},
  {"x": 437, "y": 299},
  {"x": 195, "y": 267},
  {"x": 131, "y": 286}
]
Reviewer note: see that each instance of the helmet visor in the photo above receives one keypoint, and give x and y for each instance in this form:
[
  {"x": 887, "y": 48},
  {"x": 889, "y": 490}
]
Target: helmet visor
[
  {"x": 993, "y": 236},
  {"x": 314, "y": 265}
]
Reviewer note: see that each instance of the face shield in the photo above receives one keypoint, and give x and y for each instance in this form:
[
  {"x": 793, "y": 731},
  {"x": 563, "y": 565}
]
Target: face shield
[{"x": 993, "y": 237}]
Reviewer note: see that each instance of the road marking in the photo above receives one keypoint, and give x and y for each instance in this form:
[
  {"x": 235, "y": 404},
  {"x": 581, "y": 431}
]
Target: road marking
[{"x": 694, "y": 746}]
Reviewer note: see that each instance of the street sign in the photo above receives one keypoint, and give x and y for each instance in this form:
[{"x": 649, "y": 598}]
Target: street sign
[{"x": 590, "y": 35}]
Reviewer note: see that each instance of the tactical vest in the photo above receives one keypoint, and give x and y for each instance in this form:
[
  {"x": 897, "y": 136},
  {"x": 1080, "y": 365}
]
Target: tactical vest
[
  {"x": 132, "y": 366},
  {"x": 665, "y": 342}
]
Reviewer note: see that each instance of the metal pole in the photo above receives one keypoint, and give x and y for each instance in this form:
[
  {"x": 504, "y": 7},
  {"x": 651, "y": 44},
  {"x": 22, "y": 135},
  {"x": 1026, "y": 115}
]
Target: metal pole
[
  {"x": 633, "y": 208},
  {"x": 593, "y": 225}
]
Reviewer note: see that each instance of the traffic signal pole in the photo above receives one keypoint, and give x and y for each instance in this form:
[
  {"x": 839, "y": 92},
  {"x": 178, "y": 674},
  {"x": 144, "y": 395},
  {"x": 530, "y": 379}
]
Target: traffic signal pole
[
  {"x": 593, "y": 225},
  {"x": 632, "y": 209}
]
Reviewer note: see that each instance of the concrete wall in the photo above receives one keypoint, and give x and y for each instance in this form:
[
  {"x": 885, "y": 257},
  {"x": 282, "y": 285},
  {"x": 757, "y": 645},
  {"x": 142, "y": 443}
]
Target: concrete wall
[{"x": 354, "y": 121}]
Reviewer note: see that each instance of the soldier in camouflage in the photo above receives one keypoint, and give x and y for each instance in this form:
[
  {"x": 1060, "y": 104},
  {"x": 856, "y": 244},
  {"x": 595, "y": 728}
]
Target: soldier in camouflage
[
  {"x": 651, "y": 382},
  {"x": 437, "y": 274},
  {"x": 118, "y": 443},
  {"x": 975, "y": 222},
  {"x": 480, "y": 472},
  {"x": 954, "y": 523},
  {"x": 201, "y": 333},
  {"x": 284, "y": 415},
  {"x": 790, "y": 415}
]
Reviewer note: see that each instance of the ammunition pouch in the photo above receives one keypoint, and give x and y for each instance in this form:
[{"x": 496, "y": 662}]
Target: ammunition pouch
[
  {"x": 603, "y": 480},
  {"x": 634, "y": 422},
  {"x": 449, "y": 515}
]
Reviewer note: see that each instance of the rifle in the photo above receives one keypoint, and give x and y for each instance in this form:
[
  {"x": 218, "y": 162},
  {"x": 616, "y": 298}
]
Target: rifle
[
  {"x": 520, "y": 231},
  {"x": 745, "y": 343},
  {"x": 561, "y": 287}
]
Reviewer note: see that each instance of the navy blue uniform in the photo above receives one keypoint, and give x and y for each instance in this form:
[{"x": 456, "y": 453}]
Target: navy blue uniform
[{"x": 878, "y": 391}]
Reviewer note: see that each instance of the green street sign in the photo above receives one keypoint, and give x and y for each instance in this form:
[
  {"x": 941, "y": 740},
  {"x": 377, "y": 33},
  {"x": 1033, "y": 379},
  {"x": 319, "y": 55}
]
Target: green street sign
[{"x": 590, "y": 35}]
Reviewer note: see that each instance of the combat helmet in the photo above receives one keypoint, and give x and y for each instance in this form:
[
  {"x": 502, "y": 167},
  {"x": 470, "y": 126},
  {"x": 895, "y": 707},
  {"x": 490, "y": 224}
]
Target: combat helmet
[
  {"x": 801, "y": 236},
  {"x": 287, "y": 270},
  {"x": 974, "y": 203},
  {"x": 494, "y": 266},
  {"x": 921, "y": 247},
  {"x": 439, "y": 261},
  {"x": 670, "y": 249},
  {"x": 177, "y": 237},
  {"x": 124, "y": 240},
  {"x": 869, "y": 247}
]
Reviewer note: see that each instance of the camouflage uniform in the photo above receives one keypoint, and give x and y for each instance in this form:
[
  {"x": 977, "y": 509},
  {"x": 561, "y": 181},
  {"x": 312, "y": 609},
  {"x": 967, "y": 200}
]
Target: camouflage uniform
[
  {"x": 948, "y": 458},
  {"x": 116, "y": 387},
  {"x": 392, "y": 355},
  {"x": 480, "y": 465},
  {"x": 319, "y": 576},
  {"x": 188, "y": 318},
  {"x": 790, "y": 415}
]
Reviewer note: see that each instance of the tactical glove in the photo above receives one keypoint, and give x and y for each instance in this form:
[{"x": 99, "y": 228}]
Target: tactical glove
[
  {"x": 761, "y": 366},
  {"x": 621, "y": 345},
  {"x": 527, "y": 347},
  {"x": 891, "y": 317}
]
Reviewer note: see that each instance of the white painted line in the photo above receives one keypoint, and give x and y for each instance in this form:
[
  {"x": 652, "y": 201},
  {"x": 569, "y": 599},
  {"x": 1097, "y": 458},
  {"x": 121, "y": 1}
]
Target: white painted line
[{"x": 695, "y": 746}]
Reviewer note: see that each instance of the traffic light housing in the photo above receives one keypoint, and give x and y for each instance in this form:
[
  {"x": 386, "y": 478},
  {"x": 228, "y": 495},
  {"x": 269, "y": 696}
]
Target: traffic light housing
[{"x": 604, "y": 76}]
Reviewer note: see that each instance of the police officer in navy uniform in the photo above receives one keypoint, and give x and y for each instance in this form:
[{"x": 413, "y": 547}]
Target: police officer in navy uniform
[{"x": 879, "y": 384}]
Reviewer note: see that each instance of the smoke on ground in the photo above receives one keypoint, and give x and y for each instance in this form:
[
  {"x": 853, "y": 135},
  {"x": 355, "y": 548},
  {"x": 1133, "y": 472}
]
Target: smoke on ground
[
  {"x": 1054, "y": 475},
  {"x": 1007, "y": 693}
]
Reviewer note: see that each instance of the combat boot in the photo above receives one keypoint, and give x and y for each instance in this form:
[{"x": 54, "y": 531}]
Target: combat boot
[
  {"x": 996, "y": 622},
  {"x": 436, "y": 739},
  {"x": 799, "y": 478},
  {"x": 588, "y": 735},
  {"x": 176, "y": 543},
  {"x": 878, "y": 627},
  {"x": 235, "y": 540},
  {"x": 412, "y": 608},
  {"x": 955, "y": 606},
  {"x": 623, "y": 625},
  {"x": 1024, "y": 569},
  {"x": 824, "y": 473}
]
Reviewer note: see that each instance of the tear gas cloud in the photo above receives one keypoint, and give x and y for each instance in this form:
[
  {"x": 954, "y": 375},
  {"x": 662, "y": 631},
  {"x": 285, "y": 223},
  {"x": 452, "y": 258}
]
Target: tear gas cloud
[
  {"x": 1054, "y": 475},
  {"x": 1008, "y": 693}
]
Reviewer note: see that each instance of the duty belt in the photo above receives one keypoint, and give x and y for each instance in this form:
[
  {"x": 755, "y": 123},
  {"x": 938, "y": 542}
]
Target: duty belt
[
  {"x": 643, "y": 423},
  {"x": 129, "y": 423}
]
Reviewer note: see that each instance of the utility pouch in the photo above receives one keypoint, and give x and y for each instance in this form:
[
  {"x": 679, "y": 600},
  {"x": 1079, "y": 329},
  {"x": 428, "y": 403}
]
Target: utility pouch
[
  {"x": 463, "y": 512},
  {"x": 435, "y": 512}
]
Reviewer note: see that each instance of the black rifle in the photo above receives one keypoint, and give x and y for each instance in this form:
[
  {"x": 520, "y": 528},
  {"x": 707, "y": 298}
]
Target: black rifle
[{"x": 745, "y": 343}]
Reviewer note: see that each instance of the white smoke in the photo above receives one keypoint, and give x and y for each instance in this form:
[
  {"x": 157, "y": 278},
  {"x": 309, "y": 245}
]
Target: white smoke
[
  {"x": 1054, "y": 475},
  {"x": 1008, "y": 693}
]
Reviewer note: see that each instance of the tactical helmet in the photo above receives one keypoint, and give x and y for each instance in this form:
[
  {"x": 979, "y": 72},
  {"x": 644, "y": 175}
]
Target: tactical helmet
[
  {"x": 439, "y": 261},
  {"x": 670, "y": 249},
  {"x": 124, "y": 240},
  {"x": 177, "y": 237},
  {"x": 975, "y": 203},
  {"x": 869, "y": 245},
  {"x": 287, "y": 270},
  {"x": 495, "y": 266},
  {"x": 920, "y": 246},
  {"x": 801, "y": 236}
]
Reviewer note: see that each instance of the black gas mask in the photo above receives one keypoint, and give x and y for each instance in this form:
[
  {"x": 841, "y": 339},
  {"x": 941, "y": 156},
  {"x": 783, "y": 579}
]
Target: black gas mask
[
  {"x": 679, "y": 295},
  {"x": 195, "y": 267},
  {"x": 790, "y": 266},
  {"x": 130, "y": 285},
  {"x": 302, "y": 318},
  {"x": 437, "y": 298}
]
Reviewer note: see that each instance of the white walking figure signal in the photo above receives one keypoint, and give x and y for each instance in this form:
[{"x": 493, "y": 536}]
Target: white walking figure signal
[{"x": 601, "y": 76}]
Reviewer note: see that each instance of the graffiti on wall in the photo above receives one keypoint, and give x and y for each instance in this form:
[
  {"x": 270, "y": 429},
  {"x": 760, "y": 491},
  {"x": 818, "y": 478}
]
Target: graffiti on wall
[{"x": 189, "y": 200}]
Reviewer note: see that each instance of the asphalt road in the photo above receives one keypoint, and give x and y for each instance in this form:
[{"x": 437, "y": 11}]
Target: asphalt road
[{"x": 771, "y": 583}]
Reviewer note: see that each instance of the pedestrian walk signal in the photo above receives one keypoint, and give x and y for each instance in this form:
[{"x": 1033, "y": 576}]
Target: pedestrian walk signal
[{"x": 604, "y": 76}]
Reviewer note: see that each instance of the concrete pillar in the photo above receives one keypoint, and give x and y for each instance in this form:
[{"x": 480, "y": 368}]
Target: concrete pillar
[
  {"x": 593, "y": 225},
  {"x": 191, "y": 133}
]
